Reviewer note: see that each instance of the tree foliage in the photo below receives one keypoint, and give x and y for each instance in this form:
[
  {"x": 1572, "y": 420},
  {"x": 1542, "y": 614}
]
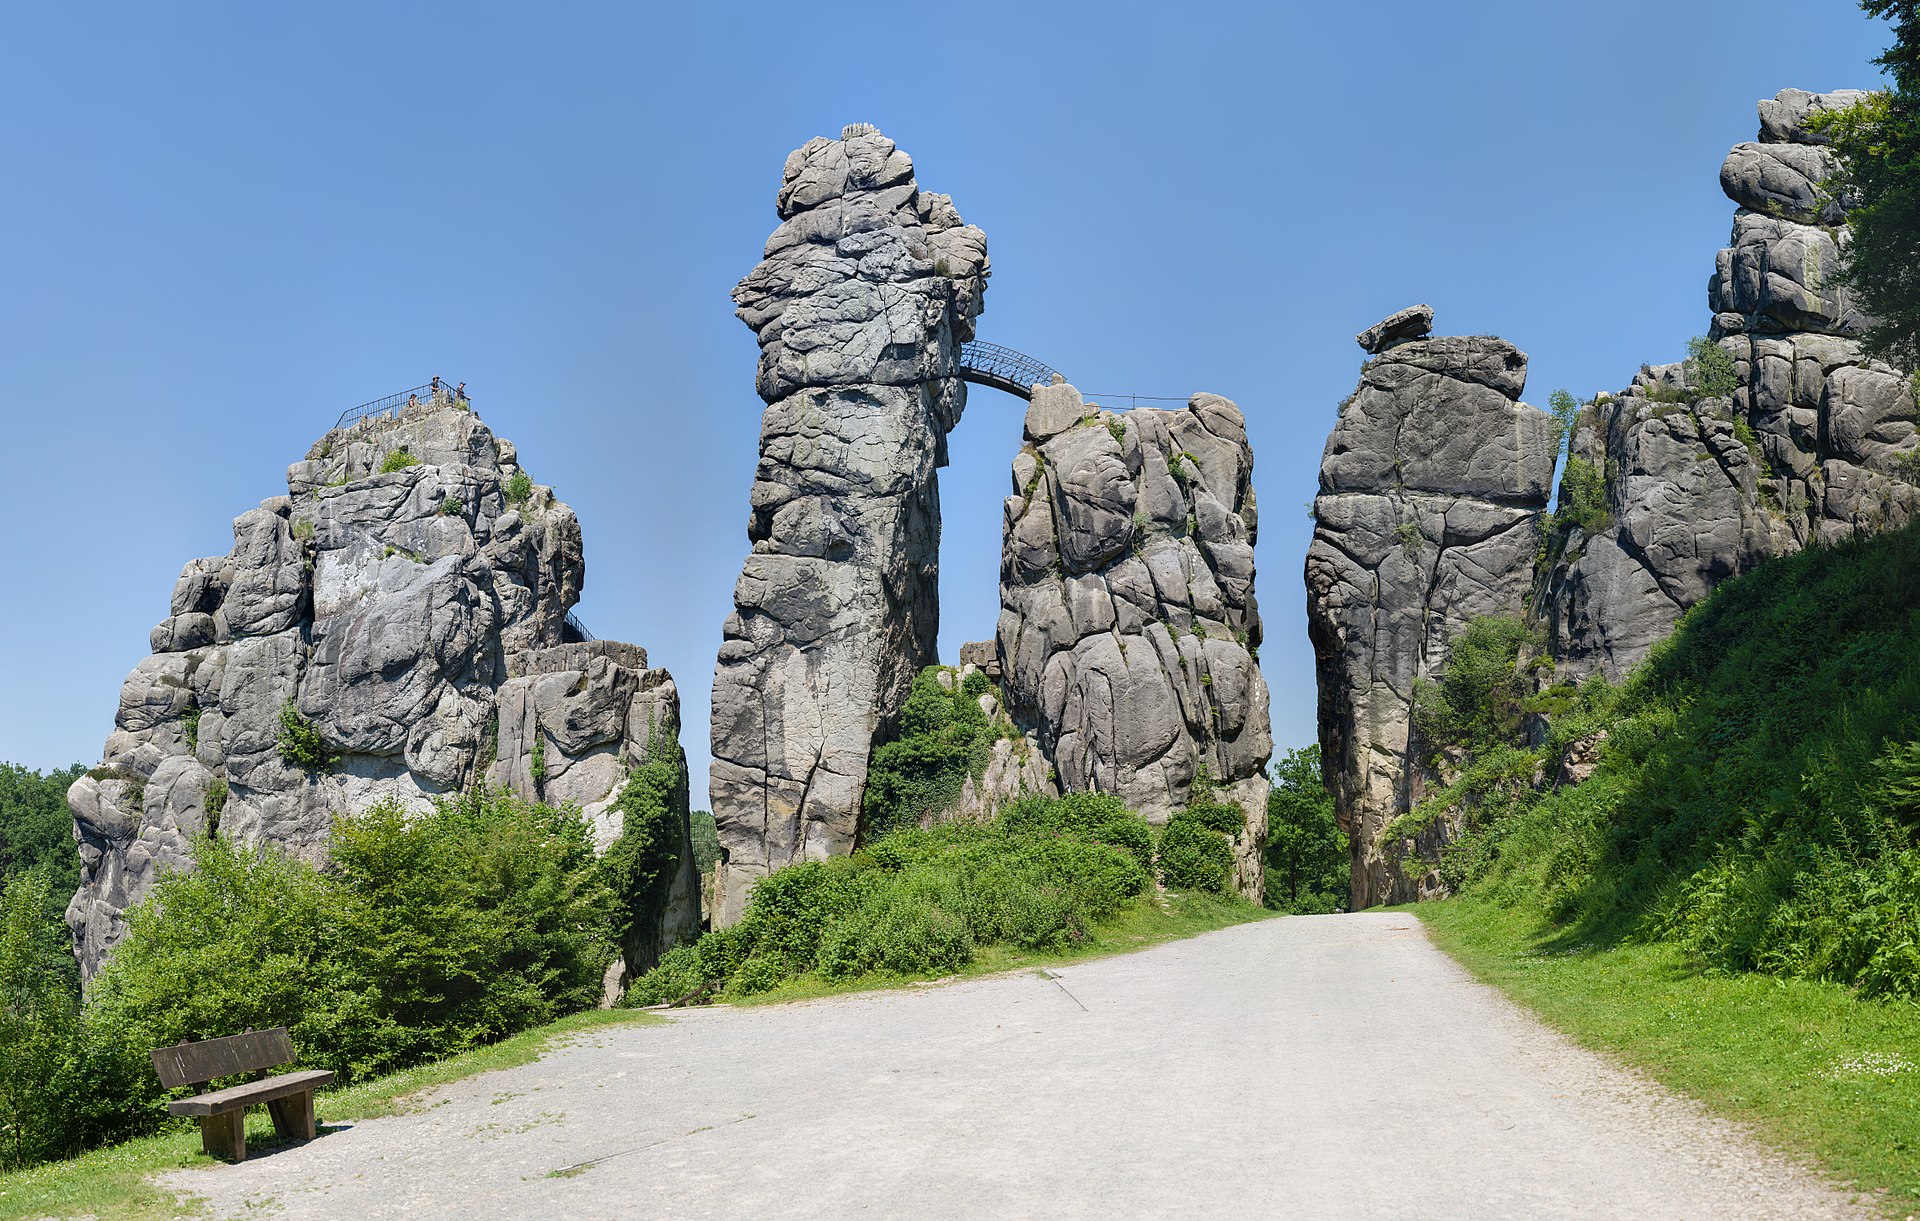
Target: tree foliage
[
  {"x": 1878, "y": 140},
  {"x": 36, "y": 833},
  {"x": 1307, "y": 855}
]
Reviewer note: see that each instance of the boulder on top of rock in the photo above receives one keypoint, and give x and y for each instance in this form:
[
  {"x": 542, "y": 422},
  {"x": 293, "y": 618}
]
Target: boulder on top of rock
[{"x": 1409, "y": 323}]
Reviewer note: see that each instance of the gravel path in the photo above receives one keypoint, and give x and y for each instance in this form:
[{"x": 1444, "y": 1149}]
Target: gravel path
[{"x": 1328, "y": 1066}]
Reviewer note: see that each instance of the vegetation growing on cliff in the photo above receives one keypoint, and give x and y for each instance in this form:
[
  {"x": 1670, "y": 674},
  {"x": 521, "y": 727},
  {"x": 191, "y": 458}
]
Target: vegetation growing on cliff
[
  {"x": 943, "y": 738},
  {"x": 1756, "y": 799},
  {"x": 655, "y": 829}
]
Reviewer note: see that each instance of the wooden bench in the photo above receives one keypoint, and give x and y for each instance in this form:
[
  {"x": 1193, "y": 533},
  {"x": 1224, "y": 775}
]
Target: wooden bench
[{"x": 223, "y": 1113}]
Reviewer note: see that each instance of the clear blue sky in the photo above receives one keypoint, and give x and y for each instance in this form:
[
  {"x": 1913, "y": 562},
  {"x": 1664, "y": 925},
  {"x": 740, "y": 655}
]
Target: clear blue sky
[{"x": 226, "y": 223}]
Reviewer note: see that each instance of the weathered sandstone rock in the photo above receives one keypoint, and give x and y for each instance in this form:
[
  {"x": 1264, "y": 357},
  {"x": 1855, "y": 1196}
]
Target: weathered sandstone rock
[
  {"x": 1429, "y": 514},
  {"x": 1430, "y": 505},
  {"x": 411, "y": 617},
  {"x": 867, "y": 290},
  {"x": 1128, "y": 624},
  {"x": 1811, "y": 446}
]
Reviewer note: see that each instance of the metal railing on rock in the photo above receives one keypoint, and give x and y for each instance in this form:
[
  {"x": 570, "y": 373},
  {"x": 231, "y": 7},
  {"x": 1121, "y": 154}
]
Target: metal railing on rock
[{"x": 392, "y": 403}]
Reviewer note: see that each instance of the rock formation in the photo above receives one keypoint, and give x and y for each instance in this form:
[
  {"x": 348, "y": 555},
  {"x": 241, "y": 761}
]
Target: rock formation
[
  {"x": 1429, "y": 514},
  {"x": 867, "y": 290},
  {"x": 1696, "y": 472},
  {"x": 1809, "y": 444},
  {"x": 408, "y": 600},
  {"x": 1128, "y": 624}
]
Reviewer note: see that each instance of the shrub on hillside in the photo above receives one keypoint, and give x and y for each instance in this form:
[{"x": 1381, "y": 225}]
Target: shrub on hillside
[
  {"x": 1196, "y": 847},
  {"x": 1756, "y": 796},
  {"x": 922, "y": 901}
]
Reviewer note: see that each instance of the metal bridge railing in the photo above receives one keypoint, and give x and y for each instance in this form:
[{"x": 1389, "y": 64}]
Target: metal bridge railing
[
  {"x": 1004, "y": 368},
  {"x": 391, "y": 405},
  {"x": 574, "y": 630}
]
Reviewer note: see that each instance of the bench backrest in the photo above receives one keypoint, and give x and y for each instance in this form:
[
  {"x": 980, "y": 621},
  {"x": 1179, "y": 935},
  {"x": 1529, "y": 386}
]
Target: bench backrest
[{"x": 192, "y": 1063}]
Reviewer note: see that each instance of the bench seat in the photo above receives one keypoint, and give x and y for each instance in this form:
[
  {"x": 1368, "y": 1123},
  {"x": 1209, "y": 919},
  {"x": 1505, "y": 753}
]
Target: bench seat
[{"x": 238, "y": 1097}]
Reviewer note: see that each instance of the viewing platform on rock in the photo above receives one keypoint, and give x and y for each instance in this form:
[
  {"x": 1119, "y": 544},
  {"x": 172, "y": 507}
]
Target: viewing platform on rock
[{"x": 390, "y": 405}]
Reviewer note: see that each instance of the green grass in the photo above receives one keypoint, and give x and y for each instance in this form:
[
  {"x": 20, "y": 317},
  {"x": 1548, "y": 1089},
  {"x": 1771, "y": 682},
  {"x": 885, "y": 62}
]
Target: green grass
[
  {"x": 1768, "y": 1052},
  {"x": 113, "y": 1182},
  {"x": 1146, "y": 921}
]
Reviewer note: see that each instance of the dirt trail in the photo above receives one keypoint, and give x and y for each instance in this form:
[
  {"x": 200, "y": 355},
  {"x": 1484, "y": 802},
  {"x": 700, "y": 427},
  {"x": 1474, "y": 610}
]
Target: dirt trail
[{"x": 1334, "y": 1066}]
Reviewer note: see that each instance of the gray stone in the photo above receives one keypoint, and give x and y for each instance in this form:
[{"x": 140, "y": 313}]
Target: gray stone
[
  {"x": 867, "y": 290},
  {"x": 1128, "y": 619},
  {"x": 1783, "y": 116},
  {"x": 1414, "y": 322},
  {"x": 1432, "y": 489},
  {"x": 405, "y": 615}
]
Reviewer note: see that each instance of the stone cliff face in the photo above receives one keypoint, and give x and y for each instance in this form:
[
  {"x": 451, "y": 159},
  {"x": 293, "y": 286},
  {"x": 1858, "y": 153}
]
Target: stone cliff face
[
  {"x": 1806, "y": 447},
  {"x": 867, "y": 290},
  {"x": 414, "y": 618},
  {"x": 1429, "y": 514},
  {"x": 1128, "y": 623},
  {"x": 1680, "y": 481}
]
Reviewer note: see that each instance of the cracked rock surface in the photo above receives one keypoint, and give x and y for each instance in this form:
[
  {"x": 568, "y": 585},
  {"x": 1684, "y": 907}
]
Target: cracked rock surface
[
  {"x": 867, "y": 289},
  {"x": 1433, "y": 486},
  {"x": 1128, "y": 624},
  {"x": 1429, "y": 514},
  {"x": 1813, "y": 445},
  {"x": 416, "y": 619}
]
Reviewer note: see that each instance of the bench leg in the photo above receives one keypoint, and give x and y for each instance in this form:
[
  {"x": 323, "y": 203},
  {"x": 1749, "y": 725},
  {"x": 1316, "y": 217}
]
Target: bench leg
[
  {"x": 225, "y": 1135},
  {"x": 293, "y": 1115}
]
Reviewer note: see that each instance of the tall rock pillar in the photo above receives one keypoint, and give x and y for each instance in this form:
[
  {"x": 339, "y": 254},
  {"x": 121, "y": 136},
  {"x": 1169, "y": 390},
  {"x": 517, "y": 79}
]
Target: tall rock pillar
[
  {"x": 1432, "y": 490},
  {"x": 867, "y": 290}
]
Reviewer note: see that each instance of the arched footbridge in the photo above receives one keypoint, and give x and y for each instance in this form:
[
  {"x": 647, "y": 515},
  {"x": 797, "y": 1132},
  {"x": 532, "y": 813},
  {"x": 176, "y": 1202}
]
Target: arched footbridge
[{"x": 989, "y": 364}]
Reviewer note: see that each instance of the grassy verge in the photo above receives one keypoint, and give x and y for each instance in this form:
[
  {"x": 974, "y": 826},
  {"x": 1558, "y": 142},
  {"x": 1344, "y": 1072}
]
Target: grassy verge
[
  {"x": 1815, "y": 1071},
  {"x": 114, "y": 1182},
  {"x": 1142, "y": 922}
]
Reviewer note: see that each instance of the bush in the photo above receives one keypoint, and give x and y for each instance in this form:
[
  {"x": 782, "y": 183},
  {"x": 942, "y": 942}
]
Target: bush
[
  {"x": 431, "y": 933},
  {"x": 1307, "y": 853},
  {"x": 67, "y": 1081},
  {"x": 923, "y": 901},
  {"x": 518, "y": 490},
  {"x": 1583, "y": 498},
  {"x": 1711, "y": 373},
  {"x": 1478, "y": 700},
  {"x": 301, "y": 744},
  {"x": 397, "y": 460},
  {"x": 1196, "y": 848}
]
